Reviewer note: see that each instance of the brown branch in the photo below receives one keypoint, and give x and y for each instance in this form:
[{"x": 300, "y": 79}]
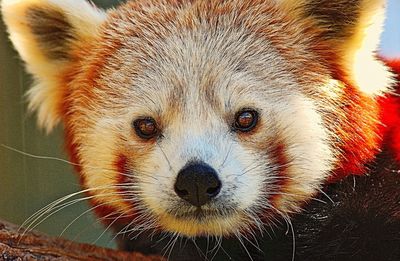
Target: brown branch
[{"x": 37, "y": 246}]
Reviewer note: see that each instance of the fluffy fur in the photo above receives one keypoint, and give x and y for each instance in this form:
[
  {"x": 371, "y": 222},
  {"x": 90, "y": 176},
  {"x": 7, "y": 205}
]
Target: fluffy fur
[
  {"x": 307, "y": 67},
  {"x": 44, "y": 37}
]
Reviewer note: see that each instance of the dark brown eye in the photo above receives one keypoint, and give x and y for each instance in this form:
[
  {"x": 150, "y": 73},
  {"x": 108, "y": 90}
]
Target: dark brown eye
[
  {"x": 246, "y": 120},
  {"x": 146, "y": 128}
]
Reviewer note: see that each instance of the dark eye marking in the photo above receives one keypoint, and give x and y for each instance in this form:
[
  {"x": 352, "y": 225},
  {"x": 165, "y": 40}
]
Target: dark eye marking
[
  {"x": 146, "y": 128},
  {"x": 245, "y": 120}
]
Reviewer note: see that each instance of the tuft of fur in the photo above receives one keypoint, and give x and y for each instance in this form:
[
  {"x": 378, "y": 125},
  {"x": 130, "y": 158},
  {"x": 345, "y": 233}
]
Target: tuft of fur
[
  {"x": 353, "y": 28},
  {"x": 45, "y": 32}
]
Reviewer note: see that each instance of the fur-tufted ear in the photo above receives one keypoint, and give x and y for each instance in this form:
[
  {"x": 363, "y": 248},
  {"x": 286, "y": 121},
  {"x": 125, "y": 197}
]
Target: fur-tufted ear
[
  {"x": 44, "y": 32},
  {"x": 353, "y": 29}
]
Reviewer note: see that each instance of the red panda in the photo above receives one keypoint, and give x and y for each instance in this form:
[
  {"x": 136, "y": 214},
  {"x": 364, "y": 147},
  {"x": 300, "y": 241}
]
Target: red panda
[{"x": 209, "y": 118}]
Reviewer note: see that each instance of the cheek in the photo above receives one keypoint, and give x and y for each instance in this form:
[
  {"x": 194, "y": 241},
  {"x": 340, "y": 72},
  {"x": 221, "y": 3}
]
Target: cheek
[
  {"x": 124, "y": 177},
  {"x": 306, "y": 153},
  {"x": 109, "y": 197},
  {"x": 263, "y": 177},
  {"x": 280, "y": 168},
  {"x": 243, "y": 176},
  {"x": 154, "y": 181},
  {"x": 297, "y": 148},
  {"x": 103, "y": 162}
]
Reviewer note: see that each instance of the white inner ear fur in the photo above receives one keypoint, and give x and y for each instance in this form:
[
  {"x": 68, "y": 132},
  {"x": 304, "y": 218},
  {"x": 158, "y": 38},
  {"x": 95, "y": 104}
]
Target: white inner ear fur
[
  {"x": 46, "y": 94},
  {"x": 368, "y": 73},
  {"x": 358, "y": 52}
]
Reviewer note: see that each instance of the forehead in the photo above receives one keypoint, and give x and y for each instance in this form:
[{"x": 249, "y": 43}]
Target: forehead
[{"x": 177, "y": 56}]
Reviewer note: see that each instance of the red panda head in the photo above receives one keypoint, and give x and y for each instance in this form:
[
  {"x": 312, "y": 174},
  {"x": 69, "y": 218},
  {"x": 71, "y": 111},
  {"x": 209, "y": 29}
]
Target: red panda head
[{"x": 205, "y": 117}]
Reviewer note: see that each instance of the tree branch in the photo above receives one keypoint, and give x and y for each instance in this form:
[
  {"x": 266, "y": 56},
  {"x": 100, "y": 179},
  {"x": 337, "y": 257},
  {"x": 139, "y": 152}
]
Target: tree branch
[{"x": 37, "y": 246}]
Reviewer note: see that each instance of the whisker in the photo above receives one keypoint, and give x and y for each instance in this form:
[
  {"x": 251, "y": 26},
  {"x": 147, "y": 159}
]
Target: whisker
[
  {"x": 237, "y": 234},
  {"x": 201, "y": 253},
  {"x": 226, "y": 158},
  {"x": 326, "y": 195},
  {"x": 66, "y": 161},
  {"x": 57, "y": 209},
  {"x": 55, "y": 206},
  {"x": 54, "y": 203},
  {"x": 166, "y": 158},
  {"x": 123, "y": 215},
  {"x": 223, "y": 249},
  {"x": 38, "y": 156},
  {"x": 87, "y": 211}
]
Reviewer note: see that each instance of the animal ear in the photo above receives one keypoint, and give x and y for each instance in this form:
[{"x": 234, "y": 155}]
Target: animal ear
[
  {"x": 45, "y": 32},
  {"x": 352, "y": 29}
]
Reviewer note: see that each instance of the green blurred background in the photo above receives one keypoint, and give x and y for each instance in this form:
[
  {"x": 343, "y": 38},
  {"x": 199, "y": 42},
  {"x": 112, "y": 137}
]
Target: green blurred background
[{"x": 28, "y": 183}]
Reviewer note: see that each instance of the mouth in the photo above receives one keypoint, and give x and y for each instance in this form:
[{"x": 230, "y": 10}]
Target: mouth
[
  {"x": 201, "y": 214},
  {"x": 193, "y": 221}
]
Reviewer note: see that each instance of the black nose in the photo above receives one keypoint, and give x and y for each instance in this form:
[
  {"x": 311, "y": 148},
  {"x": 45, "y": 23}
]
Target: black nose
[{"x": 197, "y": 183}]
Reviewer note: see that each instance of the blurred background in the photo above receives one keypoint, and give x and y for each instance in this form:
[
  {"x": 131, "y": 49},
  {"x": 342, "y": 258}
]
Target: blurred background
[{"x": 28, "y": 183}]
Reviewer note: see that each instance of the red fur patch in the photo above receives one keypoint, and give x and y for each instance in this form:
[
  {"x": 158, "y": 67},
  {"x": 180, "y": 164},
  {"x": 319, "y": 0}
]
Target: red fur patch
[
  {"x": 375, "y": 124},
  {"x": 360, "y": 134},
  {"x": 390, "y": 114},
  {"x": 279, "y": 159},
  {"x": 107, "y": 213},
  {"x": 123, "y": 180}
]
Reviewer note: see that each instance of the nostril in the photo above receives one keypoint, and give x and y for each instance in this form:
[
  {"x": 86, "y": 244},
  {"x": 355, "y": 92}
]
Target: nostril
[
  {"x": 213, "y": 191},
  {"x": 181, "y": 192}
]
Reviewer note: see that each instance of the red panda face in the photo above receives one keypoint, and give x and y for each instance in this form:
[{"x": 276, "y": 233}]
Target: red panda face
[
  {"x": 203, "y": 118},
  {"x": 201, "y": 139}
]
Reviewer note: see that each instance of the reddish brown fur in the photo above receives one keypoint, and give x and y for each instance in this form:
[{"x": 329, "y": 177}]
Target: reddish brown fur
[
  {"x": 390, "y": 114},
  {"x": 356, "y": 122},
  {"x": 281, "y": 160}
]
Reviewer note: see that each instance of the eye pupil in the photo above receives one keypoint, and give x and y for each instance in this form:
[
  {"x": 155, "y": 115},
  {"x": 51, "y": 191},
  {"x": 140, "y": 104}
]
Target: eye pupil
[
  {"x": 246, "y": 120},
  {"x": 146, "y": 128}
]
